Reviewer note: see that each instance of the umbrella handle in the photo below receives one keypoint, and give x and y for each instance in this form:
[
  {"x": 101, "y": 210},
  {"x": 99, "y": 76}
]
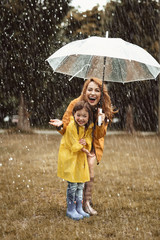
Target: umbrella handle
[{"x": 99, "y": 117}]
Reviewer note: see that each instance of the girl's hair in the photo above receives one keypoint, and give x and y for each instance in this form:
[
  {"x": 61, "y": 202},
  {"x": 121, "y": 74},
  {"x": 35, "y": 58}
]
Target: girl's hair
[
  {"x": 106, "y": 101},
  {"x": 79, "y": 106}
]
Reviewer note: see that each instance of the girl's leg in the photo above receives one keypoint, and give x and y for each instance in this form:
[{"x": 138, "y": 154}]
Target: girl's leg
[
  {"x": 89, "y": 186},
  {"x": 71, "y": 198},
  {"x": 79, "y": 199},
  {"x": 79, "y": 192},
  {"x": 71, "y": 191}
]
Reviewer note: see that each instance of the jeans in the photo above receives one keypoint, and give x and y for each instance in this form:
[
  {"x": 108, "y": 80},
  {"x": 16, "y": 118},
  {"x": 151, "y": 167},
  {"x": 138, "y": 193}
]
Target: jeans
[{"x": 75, "y": 191}]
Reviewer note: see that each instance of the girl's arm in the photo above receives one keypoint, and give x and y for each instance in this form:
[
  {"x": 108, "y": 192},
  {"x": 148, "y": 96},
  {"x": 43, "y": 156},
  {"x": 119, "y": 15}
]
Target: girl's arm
[
  {"x": 73, "y": 138},
  {"x": 88, "y": 138}
]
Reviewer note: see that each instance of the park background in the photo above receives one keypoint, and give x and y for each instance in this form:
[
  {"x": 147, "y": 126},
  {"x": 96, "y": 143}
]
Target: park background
[
  {"x": 127, "y": 180},
  {"x": 31, "y": 31}
]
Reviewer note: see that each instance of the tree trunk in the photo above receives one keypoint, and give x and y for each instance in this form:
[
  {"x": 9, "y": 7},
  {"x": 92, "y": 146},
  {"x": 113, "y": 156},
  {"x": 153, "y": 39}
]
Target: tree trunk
[
  {"x": 129, "y": 120},
  {"x": 23, "y": 120},
  {"x": 159, "y": 105}
]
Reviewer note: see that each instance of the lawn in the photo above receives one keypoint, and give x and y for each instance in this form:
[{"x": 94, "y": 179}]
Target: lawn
[{"x": 126, "y": 190}]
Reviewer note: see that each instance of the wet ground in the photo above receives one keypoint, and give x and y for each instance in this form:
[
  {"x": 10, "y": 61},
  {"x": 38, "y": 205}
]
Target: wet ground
[{"x": 126, "y": 190}]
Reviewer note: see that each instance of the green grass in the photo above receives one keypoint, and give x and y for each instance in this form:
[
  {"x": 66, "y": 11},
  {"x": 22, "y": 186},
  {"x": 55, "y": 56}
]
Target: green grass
[{"x": 126, "y": 190}]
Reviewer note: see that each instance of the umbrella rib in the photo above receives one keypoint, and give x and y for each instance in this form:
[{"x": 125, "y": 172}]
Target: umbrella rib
[
  {"x": 78, "y": 72},
  {"x": 88, "y": 65},
  {"x": 120, "y": 71}
]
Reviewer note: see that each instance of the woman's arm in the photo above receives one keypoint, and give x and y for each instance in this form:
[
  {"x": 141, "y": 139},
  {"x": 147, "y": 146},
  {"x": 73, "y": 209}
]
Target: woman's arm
[
  {"x": 67, "y": 115},
  {"x": 100, "y": 131}
]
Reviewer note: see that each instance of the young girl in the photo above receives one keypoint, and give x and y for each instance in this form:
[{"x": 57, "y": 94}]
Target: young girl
[{"x": 72, "y": 160}]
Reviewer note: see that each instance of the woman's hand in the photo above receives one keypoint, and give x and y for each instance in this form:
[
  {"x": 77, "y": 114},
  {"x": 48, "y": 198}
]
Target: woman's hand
[
  {"x": 88, "y": 153},
  {"x": 85, "y": 150},
  {"x": 56, "y": 122},
  {"x": 82, "y": 141},
  {"x": 101, "y": 114},
  {"x": 91, "y": 154}
]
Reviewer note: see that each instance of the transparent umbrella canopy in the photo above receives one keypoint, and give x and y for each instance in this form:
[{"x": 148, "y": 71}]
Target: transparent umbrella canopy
[{"x": 109, "y": 59}]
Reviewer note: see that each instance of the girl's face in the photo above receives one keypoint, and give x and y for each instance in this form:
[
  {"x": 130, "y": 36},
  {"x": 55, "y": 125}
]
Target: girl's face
[
  {"x": 81, "y": 117},
  {"x": 93, "y": 94}
]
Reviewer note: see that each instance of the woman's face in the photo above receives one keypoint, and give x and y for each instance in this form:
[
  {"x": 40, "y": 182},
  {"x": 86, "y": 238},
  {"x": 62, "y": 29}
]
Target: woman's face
[{"x": 93, "y": 93}]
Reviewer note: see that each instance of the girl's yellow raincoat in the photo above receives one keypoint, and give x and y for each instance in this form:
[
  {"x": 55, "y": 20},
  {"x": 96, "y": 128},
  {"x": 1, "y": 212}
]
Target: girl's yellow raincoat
[
  {"x": 72, "y": 161},
  {"x": 98, "y": 134}
]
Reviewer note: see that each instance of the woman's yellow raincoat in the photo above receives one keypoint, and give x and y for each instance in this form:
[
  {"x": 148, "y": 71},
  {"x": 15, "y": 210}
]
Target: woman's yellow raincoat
[{"x": 72, "y": 161}]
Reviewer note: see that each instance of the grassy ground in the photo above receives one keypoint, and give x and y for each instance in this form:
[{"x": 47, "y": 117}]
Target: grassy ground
[{"x": 126, "y": 190}]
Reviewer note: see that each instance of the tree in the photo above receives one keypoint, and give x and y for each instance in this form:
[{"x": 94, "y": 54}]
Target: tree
[
  {"x": 127, "y": 20},
  {"x": 29, "y": 34}
]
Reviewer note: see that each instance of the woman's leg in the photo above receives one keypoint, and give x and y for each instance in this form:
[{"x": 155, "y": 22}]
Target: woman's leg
[
  {"x": 71, "y": 202},
  {"x": 89, "y": 186}
]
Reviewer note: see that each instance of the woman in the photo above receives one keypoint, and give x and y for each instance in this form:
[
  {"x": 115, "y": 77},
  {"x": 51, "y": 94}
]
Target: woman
[{"x": 91, "y": 93}]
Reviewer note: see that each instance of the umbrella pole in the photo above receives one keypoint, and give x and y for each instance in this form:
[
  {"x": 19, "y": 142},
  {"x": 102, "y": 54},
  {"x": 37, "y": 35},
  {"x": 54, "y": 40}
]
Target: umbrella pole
[
  {"x": 104, "y": 66},
  {"x": 101, "y": 99}
]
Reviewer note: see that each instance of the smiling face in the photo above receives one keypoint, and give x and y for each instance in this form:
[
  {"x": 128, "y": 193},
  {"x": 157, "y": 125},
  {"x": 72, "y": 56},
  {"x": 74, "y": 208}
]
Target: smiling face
[
  {"x": 93, "y": 93},
  {"x": 81, "y": 117}
]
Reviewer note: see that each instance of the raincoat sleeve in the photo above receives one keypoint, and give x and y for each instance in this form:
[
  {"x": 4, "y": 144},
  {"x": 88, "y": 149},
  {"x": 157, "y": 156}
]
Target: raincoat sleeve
[
  {"x": 88, "y": 138},
  {"x": 100, "y": 131},
  {"x": 89, "y": 143},
  {"x": 67, "y": 115},
  {"x": 73, "y": 138}
]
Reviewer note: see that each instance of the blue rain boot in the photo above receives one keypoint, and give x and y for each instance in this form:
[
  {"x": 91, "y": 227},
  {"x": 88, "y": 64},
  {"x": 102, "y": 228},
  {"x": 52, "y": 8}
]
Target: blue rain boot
[
  {"x": 71, "y": 211},
  {"x": 80, "y": 209}
]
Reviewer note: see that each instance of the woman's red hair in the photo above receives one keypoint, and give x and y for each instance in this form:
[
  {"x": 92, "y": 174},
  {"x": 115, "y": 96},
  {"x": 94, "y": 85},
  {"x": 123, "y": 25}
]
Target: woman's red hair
[{"x": 106, "y": 101}]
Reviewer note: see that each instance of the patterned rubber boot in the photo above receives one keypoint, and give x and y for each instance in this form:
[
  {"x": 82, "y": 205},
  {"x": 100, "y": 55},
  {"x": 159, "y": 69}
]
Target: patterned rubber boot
[
  {"x": 80, "y": 209},
  {"x": 71, "y": 211}
]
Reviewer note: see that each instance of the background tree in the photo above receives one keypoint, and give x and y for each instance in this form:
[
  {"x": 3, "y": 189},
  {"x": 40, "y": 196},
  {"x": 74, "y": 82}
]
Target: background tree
[
  {"x": 32, "y": 30},
  {"x": 29, "y": 31},
  {"x": 127, "y": 20}
]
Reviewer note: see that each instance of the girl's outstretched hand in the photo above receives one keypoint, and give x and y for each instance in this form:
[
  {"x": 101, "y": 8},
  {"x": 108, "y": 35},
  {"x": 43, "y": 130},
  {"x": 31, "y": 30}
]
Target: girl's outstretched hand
[{"x": 56, "y": 122}]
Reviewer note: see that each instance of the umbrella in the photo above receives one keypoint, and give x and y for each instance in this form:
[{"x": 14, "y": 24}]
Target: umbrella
[{"x": 109, "y": 59}]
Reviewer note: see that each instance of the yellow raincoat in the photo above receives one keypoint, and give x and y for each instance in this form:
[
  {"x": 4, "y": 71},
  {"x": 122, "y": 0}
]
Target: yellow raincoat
[
  {"x": 98, "y": 135},
  {"x": 72, "y": 161}
]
